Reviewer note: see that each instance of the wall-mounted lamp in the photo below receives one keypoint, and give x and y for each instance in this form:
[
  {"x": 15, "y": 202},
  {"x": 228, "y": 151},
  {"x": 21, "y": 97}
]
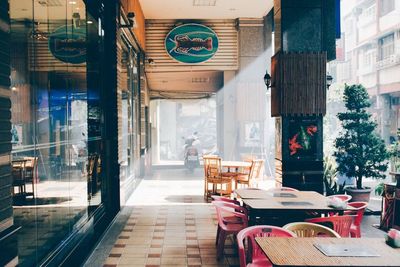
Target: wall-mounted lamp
[
  {"x": 267, "y": 80},
  {"x": 329, "y": 80},
  {"x": 130, "y": 17}
]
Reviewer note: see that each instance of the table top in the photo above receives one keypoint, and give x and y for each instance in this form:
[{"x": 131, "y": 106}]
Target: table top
[
  {"x": 19, "y": 160},
  {"x": 285, "y": 200},
  {"x": 302, "y": 251},
  {"x": 235, "y": 164},
  {"x": 256, "y": 193}
]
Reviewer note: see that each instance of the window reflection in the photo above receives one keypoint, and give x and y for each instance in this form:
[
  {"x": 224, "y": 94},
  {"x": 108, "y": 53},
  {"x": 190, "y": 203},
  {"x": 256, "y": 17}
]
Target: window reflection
[{"x": 55, "y": 122}]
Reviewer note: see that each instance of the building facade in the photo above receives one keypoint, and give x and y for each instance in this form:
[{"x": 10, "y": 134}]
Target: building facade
[{"x": 369, "y": 53}]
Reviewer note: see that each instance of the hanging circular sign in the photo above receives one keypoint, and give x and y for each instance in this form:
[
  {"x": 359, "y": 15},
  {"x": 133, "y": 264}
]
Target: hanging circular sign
[
  {"x": 191, "y": 43},
  {"x": 68, "y": 44}
]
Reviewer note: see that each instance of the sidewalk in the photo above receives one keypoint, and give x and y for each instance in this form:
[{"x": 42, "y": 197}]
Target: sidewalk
[{"x": 167, "y": 223}]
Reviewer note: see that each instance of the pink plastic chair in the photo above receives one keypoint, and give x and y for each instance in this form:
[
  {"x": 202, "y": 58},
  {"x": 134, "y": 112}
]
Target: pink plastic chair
[
  {"x": 340, "y": 224},
  {"x": 345, "y": 198},
  {"x": 355, "y": 229},
  {"x": 225, "y": 199},
  {"x": 226, "y": 218},
  {"x": 231, "y": 220},
  {"x": 258, "y": 257}
]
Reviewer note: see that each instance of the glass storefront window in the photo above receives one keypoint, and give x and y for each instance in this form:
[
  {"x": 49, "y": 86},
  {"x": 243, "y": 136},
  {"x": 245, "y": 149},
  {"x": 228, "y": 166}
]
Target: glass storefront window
[
  {"x": 128, "y": 102},
  {"x": 55, "y": 122}
]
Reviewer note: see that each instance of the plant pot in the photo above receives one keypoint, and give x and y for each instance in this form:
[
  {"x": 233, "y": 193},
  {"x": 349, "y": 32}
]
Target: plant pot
[{"x": 357, "y": 195}]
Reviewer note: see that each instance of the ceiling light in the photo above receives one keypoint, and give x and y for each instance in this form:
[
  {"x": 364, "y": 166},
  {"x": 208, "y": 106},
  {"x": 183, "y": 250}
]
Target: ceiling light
[
  {"x": 72, "y": 2},
  {"x": 204, "y": 2},
  {"x": 200, "y": 80},
  {"x": 89, "y": 22}
]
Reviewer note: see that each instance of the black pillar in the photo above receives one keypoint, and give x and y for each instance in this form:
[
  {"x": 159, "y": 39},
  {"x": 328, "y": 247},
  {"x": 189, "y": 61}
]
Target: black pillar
[
  {"x": 109, "y": 102},
  {"x": 304, "y": 41},
  {"x": 8, "y": 240}
]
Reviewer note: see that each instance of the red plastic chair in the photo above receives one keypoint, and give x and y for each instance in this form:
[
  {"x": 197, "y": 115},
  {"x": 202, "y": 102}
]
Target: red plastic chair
[
  {"x": 340, "y": 224},
  {"x": 231, "y": 220},
  {"x": 355, "y": 229},
  {"x": 225, "y": 199},
  {"x": 345, "y": 198},
  {"x": 258, "y": 257}
]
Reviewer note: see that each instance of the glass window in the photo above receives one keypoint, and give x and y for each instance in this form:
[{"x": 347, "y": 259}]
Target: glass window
[
  {"x": 369, "y": 58},
  {"x": 129, "y": 104},
  {"x": 386, "y": 45},
  {"x": 55, "y": 122},
  {"x": 386, "y": 7}
]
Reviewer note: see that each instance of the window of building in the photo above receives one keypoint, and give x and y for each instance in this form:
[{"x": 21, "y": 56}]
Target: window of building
[
  {"x": 368, "y": 14},
  {"x": 369, "y": 57},
  {"x": 386, "y": 46},
  {"x": 387, "y": 6}
]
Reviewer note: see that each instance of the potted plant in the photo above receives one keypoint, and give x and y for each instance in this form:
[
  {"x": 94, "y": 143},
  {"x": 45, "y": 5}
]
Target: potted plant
[
  {"x": 360, "y": 152},
  {"x": 331, "y": 183}
]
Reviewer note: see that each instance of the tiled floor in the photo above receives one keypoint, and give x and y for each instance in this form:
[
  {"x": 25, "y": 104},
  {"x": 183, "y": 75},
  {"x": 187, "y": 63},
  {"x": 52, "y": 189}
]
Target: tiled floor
[{"x": 167, "y": 223}]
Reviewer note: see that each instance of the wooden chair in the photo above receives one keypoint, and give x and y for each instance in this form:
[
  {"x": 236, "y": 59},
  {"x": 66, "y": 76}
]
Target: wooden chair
[
  {"x": 215, "y": 177},
  {"x": 31, "y": 172},
  {"x": 304, "y": 229},
  {"x": 18, "y": 180},
  {"x": 255, "y": 170},
  {"x": 205, "y": 165}
]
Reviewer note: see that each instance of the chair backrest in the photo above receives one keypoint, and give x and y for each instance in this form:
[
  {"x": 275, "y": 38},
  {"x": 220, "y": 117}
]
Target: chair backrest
[
  {"x": 358, "y": 212},
  {"x": 225, "y": 209},
  {"x": 250, "y": 233},
  {"x": 225, "y": 199},
  {"x": 345, "y": 198},
  {"x": 255, "y": 169},
  {"x": 31, "y": 162},
  {"x": 340, "y": 224},
  {"x": 17, "y": 175},
  {"x": 205, "y": 162},
  {"x": 306, "y": 229},
  {"x": 213, "y": 167}
]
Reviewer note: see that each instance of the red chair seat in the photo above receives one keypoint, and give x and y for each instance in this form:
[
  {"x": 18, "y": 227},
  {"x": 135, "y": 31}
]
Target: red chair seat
[{"x": 260, "y": 263}]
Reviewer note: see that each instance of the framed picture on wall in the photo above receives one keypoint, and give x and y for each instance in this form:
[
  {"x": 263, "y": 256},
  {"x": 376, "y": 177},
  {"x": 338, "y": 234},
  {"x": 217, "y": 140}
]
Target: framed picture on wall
[{"x": 252, "y": 134}]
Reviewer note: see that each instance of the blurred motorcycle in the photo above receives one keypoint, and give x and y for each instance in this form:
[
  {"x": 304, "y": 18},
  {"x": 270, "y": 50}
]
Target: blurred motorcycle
[{"x": 191, "y": 153}]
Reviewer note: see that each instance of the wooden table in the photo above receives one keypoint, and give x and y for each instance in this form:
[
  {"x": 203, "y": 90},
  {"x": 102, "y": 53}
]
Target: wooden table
[
  {"x": 290, "y": 205},
  {"x": 19, "y": 166},
  {"x": 302, "y": 252},
  {"x": 235, "y": 164}
]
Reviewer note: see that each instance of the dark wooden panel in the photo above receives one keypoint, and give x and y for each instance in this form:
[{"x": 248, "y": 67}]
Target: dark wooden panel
[{"x": 298, "y": 84}]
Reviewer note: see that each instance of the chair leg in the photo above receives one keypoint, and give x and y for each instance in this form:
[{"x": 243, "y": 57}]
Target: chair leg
[
  {"x": 221, "y": 244},
  {"x": 216, "y": 238}
]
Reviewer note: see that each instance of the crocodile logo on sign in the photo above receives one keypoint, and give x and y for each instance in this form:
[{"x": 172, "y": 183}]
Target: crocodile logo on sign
[{"x": 191, "y": 43}]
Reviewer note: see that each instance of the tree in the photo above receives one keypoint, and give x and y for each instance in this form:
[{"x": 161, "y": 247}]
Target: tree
[{"x": 360, "y": 152}]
